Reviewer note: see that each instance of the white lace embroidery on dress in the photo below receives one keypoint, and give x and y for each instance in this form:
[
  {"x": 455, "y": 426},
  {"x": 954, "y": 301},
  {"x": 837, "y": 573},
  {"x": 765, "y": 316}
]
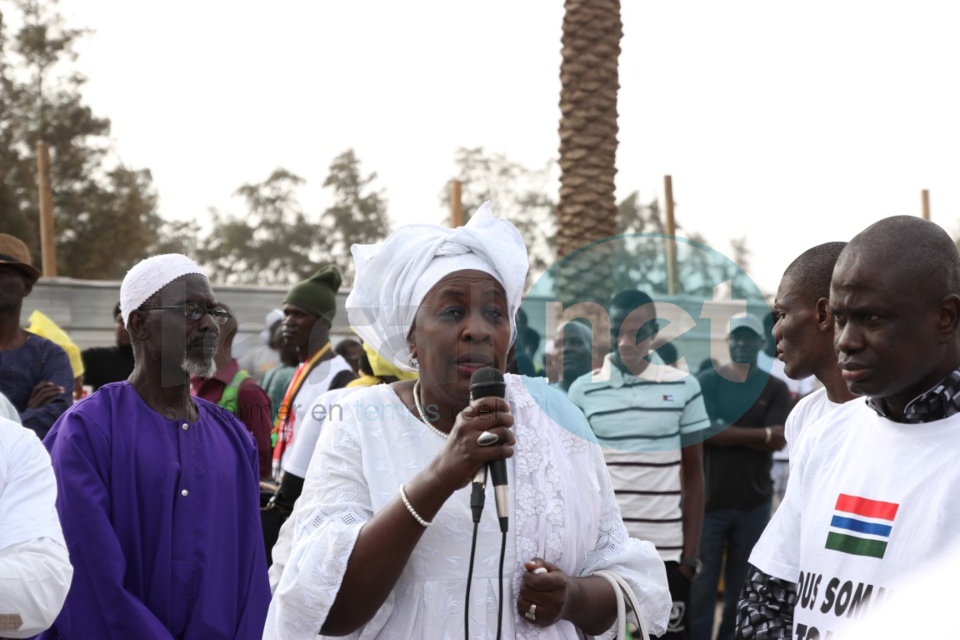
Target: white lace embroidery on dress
[
  {"x": 563, "y": 511},
  {"x": 559, "y": 517}
]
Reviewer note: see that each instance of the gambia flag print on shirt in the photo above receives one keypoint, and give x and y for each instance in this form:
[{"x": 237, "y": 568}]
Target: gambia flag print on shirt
[{"x": 861, "y": 526}]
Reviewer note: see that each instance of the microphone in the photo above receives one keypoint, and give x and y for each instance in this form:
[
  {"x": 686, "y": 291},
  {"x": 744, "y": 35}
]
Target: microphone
[{"x": 485, "y": 383}]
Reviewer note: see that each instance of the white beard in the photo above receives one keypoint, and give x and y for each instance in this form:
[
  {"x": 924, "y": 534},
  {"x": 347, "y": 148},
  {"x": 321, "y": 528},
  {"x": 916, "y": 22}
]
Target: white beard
[{"x": 199, "y": 368}]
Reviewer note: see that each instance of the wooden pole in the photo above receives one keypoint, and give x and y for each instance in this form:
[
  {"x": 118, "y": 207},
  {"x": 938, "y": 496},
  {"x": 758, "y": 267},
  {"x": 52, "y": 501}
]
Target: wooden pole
[
  {"x": 925, "y": 199},
  {"x": 456, "y": 204},
  {"x": 670, "y": 229},
  {"x": 48, "y": 249}
]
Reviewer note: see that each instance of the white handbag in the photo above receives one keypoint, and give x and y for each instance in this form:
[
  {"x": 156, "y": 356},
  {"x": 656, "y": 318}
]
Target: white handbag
[{"x": 625, "y": 596}]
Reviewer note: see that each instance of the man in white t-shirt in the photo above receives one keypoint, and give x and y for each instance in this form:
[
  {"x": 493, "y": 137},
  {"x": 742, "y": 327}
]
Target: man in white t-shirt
[
  {"x": 875, "y": 492},
  {"x": 803, "y": 334},
  {"x": 650, "y": 419}
]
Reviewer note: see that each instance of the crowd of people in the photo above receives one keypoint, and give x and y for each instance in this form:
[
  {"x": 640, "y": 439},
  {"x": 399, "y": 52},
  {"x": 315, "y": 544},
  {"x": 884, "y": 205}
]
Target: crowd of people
[{"x": 340, "y": 490}]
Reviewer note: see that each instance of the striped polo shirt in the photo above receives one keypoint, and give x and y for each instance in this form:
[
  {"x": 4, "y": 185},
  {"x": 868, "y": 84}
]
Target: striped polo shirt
[{"x": 642, "y": 422}]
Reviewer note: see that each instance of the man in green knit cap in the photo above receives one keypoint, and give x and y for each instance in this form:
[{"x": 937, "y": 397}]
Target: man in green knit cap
[{"x": 308, "y": 309}]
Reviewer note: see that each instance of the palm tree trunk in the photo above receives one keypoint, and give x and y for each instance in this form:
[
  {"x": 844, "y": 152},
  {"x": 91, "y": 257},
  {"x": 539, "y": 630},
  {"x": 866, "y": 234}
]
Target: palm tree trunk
[{"x": 587, "y": 212}]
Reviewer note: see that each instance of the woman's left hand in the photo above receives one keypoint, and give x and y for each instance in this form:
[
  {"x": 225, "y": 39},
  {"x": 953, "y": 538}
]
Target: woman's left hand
[{"x": 550, "y": 591}]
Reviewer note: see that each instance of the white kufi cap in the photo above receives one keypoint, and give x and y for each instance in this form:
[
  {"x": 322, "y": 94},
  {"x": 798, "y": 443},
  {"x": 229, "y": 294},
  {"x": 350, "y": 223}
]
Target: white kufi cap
[{"x": 149, "y": 276}]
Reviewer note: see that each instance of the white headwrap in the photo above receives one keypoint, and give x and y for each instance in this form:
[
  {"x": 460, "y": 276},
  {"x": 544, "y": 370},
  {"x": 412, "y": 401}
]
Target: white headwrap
[
  {"x": 394, "y": 277},
  {"x": 149, "y": 276}
]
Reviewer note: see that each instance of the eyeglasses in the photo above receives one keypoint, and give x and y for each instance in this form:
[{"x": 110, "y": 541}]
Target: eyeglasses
[{"x": 195, "y": 311}]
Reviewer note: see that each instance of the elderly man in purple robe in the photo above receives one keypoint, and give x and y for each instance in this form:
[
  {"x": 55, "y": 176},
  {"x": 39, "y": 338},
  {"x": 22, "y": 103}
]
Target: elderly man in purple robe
[{"x": 158, "y": 492}]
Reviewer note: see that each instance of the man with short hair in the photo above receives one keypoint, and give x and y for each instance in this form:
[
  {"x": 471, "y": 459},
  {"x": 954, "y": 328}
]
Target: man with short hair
[
  {"x": 874, "y": 491},
  {"x": 234, "y": 390},
  {"x": 35, "y": 373},
  {"x": 748, "y": 417},
  {"x": 650, "y": 420},
  {"x": 804, "y": 334},
  {"x": 103, "y": 365},
  {"x": 158, "y": 491},
  {"x": 573, "y": 344}
]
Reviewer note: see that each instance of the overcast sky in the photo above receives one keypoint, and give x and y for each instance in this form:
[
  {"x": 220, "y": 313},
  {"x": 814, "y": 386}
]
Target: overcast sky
[{"x": 790, "y": 123}]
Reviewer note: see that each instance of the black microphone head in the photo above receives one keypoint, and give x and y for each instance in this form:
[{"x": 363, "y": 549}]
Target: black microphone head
[{"x": 487, "y": 382}]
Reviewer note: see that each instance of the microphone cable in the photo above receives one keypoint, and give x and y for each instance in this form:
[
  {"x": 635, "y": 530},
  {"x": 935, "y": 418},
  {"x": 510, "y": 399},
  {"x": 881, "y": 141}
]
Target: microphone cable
[
  {"x": 466, "y": 607},
  {"x": 488, "y": 382},
  {"x": 503, "y": 551},
  {"x": 477, "y": 498},
  {"x": 476, "y": 503}
]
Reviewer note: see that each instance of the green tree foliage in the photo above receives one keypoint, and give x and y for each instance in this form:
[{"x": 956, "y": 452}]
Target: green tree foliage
[
  {"x": 277, "y": 242},
  {"x": 358, "y": 214},
  {"x": 274, "y": 243},
  {"x": 106, "y": 215},
  {"x": 526, "y": 197},
  {"x": 639, "y": 259}
]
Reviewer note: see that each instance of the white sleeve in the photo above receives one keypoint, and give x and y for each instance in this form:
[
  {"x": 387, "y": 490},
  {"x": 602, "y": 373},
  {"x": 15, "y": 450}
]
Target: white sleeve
[
  {"x": 35, "y": 570},
  {"x": 777, "y": 553},
  {"x": 7, "y": 410},
  {"x": 28, "y": 488},
  {"x": 281, "y": 549},
  {"x": 637, "y": 561},
  {"x": 34, "y": 580},
  {"x": 334, "y": 506},
  {"x": 297, "y": 462}
]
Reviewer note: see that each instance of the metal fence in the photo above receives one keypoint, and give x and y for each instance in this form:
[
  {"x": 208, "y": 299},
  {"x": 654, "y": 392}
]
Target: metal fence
[{"x": 83, "y": 309}]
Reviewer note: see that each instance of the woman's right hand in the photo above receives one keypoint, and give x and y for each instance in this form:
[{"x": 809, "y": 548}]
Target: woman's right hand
[{"x": 459, "y": 460}]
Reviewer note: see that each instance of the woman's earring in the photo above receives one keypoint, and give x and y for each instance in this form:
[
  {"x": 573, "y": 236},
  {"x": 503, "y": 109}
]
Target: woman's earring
[{"x": 412, "y": 361}]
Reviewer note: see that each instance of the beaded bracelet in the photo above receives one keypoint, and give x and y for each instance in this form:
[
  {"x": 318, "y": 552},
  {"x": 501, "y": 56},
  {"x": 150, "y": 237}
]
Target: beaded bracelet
[{"x": 413, "y": 512}]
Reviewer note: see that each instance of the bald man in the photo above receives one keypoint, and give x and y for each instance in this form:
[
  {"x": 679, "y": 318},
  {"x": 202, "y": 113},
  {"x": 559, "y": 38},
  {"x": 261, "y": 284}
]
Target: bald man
[{"x": 874, "y": 493}]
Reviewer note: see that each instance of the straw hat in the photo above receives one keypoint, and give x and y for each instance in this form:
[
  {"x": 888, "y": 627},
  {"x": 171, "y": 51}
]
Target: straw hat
[{"x": 16, "y": 254}]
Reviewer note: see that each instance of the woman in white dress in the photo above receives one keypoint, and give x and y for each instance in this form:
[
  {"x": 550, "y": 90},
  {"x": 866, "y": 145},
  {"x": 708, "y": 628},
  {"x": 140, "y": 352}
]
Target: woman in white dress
[{"x": 383, "y": 532}]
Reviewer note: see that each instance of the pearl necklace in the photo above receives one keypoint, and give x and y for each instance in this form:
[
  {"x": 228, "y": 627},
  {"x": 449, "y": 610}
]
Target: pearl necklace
[{"x": 423, "y": 416}]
